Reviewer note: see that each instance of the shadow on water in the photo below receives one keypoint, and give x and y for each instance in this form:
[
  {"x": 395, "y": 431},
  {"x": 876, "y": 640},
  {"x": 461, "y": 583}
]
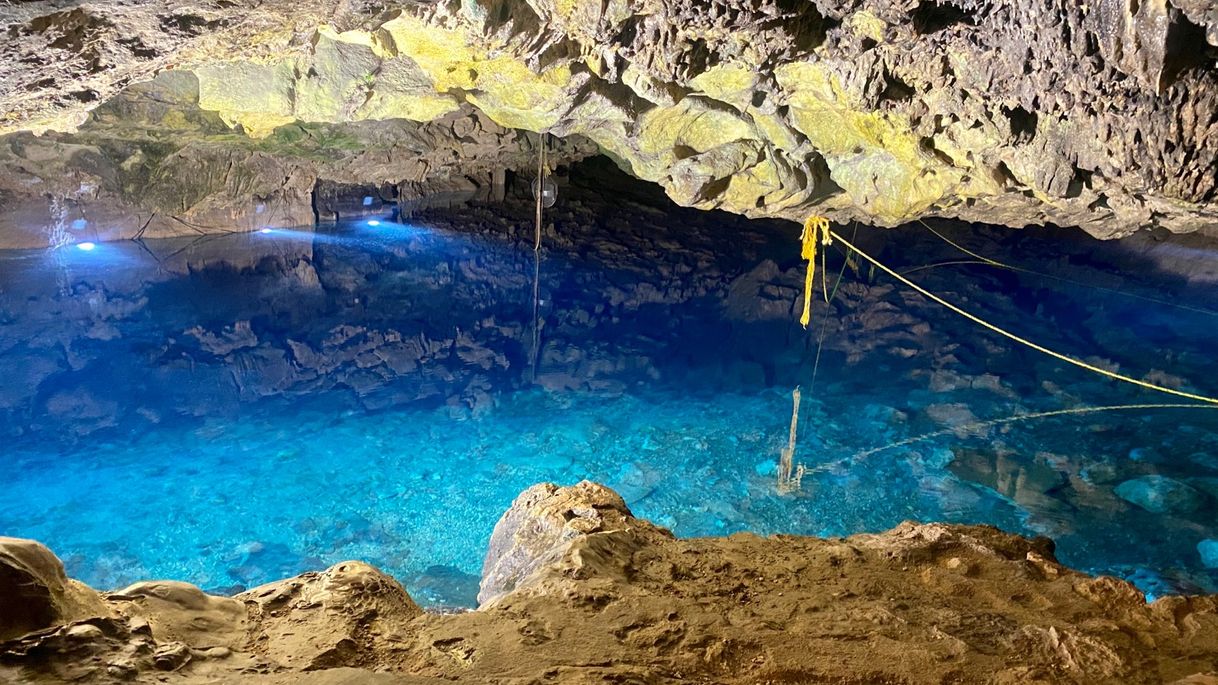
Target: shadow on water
[{"x": 232, "y": 410}]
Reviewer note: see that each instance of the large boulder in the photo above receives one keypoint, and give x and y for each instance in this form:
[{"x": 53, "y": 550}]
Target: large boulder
[
  {"x": 538, "y": 527},
  {"x": 35, "y": 593}
]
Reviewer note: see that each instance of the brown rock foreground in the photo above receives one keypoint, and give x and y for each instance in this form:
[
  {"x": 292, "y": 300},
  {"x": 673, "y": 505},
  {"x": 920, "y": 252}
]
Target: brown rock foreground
[{"x": 577, "y": 590}]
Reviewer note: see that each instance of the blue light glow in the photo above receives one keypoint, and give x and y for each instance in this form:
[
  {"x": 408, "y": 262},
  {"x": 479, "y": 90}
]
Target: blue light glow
[
  {"x": 374, "y": 222},
  {"x": 87, "y": 247},
  {"x": 265, "y": 230}
]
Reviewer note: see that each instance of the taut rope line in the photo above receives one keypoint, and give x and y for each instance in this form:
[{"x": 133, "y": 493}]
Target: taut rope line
[
  {"x": 1002, "y": 331},
  {"x": 982, "y": 259}
]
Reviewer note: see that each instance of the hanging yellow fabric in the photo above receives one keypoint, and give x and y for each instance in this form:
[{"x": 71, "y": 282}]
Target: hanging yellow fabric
[{"x": 815, "y": 228}]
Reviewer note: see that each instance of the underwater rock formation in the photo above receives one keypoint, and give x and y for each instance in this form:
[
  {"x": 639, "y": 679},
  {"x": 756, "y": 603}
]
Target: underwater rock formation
[
  {"x": 606, "y": 596},
  {"x": 1160, "y": 494},
  {"x": 1102, "y": 116}
]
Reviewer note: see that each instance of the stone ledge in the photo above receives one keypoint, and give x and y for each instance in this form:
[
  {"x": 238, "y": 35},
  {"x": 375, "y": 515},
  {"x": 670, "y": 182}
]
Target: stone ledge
[{"x": 578, "y": 590}]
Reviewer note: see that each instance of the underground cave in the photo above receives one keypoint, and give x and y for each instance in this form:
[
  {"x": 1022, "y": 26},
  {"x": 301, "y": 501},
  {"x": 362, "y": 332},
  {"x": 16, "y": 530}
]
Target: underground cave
[{"x": 631, "y": 341}]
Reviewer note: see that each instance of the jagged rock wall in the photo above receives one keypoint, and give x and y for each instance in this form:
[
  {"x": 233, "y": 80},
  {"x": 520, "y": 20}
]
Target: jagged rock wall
[
  {"x": 1102, "y": 116},
  {"x": 600, "y": 596},
  {"x": 150, "y": 163}
]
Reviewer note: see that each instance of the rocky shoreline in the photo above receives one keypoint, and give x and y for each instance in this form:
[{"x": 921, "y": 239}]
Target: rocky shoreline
[{"x": 577, "y": 590}]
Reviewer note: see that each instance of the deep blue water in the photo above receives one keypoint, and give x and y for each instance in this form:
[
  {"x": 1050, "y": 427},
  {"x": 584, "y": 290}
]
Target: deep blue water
[{"x": 237, "y": 409}]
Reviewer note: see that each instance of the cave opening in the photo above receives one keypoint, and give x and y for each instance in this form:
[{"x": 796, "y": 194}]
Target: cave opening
[
  {"x": 930, "y": 17},
  {"x": 1022, "y": 122}
]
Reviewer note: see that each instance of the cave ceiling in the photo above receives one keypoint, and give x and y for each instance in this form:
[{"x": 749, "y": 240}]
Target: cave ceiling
[{"x": 1100, "y": 115}]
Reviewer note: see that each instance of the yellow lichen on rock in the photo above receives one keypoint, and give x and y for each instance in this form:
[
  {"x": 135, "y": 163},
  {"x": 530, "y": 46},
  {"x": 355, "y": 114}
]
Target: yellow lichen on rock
[
  {"x": 446, "y": 56},
  {"x": 692, "y": 125},
  {"x": 503, "y": 86},
  {"x": 866, "y": 25},
  {"x": 513, "y": 96},
  {"x": 734, "y": 84},
  {"x": 874, "y": 156},
  {"x": 258, "y": 97},
  {"x": 347, "y": 76},
  {"x": 340, "y": 74},
  {"x": 771, "y": 184}
]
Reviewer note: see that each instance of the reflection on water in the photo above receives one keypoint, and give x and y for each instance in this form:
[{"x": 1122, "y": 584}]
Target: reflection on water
[{"x": 232, "y": 410}]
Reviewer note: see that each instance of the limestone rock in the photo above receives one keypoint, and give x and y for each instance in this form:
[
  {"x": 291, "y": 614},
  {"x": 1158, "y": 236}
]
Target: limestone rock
[
  {"x": 152, "y": 164},
  {"x": 328, "y": 619},
  {"x": 183, "y": 613},
  {"x": 611, "y": 598},
  {"x": 35, "y": 593},
  {"x": 539, "y": 525}
]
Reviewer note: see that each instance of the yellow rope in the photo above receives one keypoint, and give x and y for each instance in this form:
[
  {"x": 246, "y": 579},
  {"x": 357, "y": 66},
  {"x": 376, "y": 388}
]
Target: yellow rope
[
  {"x": 815, "y": 228},
  {"x": 976, "y": 319}
]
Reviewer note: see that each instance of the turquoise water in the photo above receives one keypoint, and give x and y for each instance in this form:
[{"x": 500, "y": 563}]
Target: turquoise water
[{"x": 237, "y": 409}]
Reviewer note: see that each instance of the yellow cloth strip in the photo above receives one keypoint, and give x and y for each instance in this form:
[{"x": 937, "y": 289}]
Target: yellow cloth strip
[
  {"x": 816, "y": 227},
  {"x": 1023, "y": 341}
]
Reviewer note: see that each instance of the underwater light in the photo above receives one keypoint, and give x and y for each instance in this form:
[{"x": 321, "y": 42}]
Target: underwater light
[
  {"x": 374, "y": 222},
  {"x": 265, "y": 230},
  {"x": 87, "y": 247}
]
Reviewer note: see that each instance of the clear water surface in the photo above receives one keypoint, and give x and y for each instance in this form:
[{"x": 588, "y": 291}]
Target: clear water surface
[{"x": 237, "y": 409}]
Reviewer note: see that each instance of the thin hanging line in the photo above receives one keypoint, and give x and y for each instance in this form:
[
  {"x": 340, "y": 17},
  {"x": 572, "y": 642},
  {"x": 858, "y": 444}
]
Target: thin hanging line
[
  {"x": 535, "y": 350},
  {"x": 824, "y": 325},
  {"x": 541, "y": 175},
  {"x": 952, "y": 262}
]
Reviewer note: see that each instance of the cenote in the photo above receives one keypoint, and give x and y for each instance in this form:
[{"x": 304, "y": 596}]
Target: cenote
[{"x": 230, "y": 410}]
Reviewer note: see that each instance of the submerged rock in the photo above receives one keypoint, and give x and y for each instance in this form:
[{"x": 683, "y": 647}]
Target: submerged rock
[
  {"x": 1208, "y": 549},
  {"x": 1161, "y": 495}
]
